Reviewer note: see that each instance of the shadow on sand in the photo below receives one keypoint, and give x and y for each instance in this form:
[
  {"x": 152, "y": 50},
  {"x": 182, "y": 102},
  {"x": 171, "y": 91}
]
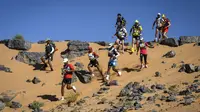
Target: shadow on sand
[
  {"x": 38, "y": 67},
  {"x": 49, "y": 97},
  {"x": 131, "y": 69}
]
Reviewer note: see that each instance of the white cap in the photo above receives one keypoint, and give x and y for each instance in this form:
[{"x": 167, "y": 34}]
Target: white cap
[
  {"x": 111, "y": 44},
  {"x": 47, "y": 39},
  {"x": 65, "y": 60},
  {"x": 159, "y": 14}
]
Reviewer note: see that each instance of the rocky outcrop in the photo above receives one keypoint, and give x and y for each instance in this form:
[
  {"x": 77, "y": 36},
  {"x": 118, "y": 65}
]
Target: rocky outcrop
[
  {"x": 102, "y": 43},
  {"x": 84, "y": 76},
  {"x": 5, "y": 69},
  {"x": 7, "y": 96},
  {"x": 75, "y": 49},
  {"x": 18, "y": 44},
  {"x": 170, "y": 54},
  {"x": 189, "y": 39},
  {"x": 172, "y": 42},
  {"x": 30, "y": 58}
]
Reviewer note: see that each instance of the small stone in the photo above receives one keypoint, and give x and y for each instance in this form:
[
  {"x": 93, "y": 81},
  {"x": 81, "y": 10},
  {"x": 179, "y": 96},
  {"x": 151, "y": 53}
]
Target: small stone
[
  {"x": 185, "y": 83},
  {"x": 15, "y": 105},
  {"x": 163, "y": 62},
  {"x": 171, "y": 98},
  {"x": 157, "y": 74},
  {"x": 29, "y": 80},
  {"x": 173, "y": 66},
  {"x": 158, "y": 105},
  {"x": 182, "y": 62},
  {"x": 95, "y": 94},
  {"x": 151, "y": 98},
  {"x": 160, "y": 87},
  {"x": 36, "y": 80},
  {"x": 43, "y": 84},
  {"x": 142, "y": 80},
  {"x": 149, "y": 80},
  {"x": 153, "y": 87},
  {"x": 185, "y": 92}
]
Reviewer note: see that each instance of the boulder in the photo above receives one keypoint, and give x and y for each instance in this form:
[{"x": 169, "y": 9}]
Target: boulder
[
  {"x": 189, "y": 39},
  {"x": 75, "y": 49},
  {"x": 5, "y": 69},
  {"x": 172, "y": 42},
  {"x": 15, "y": 105},
  {"x": 84, "y": 76},
  {"x": 170, "y": 54},
  {"x": 5, "y": 41},
  {"x": 189, "y": 68},
  {"x": 19, "y": 44},
  {"x": 2, "y": 106},
  {"x": 102, "y": 43},
  {"x": 30, "y": 58},
  {"x": 188, "y": 101},
  {"x": 36, "y": 80},
  {"x": 79, "y": 65},
  {"x": 7, "y": 96}
]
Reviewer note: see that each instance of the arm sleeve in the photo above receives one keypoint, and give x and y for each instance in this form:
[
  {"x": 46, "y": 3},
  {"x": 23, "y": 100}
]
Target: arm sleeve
[{"x": 52, "y": 49}]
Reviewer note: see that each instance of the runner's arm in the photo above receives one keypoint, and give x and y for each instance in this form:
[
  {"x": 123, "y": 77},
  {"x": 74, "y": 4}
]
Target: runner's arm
[
  {"x": 52, "y": 50},
  {"x": 154, "y": 24},
  {"x": 169, "y": 24}
]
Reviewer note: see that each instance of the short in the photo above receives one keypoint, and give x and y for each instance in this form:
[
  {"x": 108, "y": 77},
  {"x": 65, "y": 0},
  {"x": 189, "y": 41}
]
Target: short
[
  {"x": 165, "y": 30},
  {"x": 159, "y": 28},
  {"x": 136, "y": 39},
  {"x": 67, "y": 81},
  {"x": 93, "y": 63},
  {"x": 112, "y": 63},
  {"x": 49, "y": 58}
]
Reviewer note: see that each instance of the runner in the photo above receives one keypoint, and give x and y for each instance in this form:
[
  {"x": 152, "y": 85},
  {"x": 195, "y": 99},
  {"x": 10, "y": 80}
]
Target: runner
[
  {"x": 93, "y": 61},
  {"x": 166, "y": 25},
  {"x": 113, "y": 54},
  {"x": 158, "y": 33},
  {"x": 68, "y": 70},
  {"x": 142, "y": 46},
  {"x": 120, "y": 22},
  {"x": 49, "y": 51},
  {"x": 136, "y": 32},
  {"x": 121, "y": 36}
]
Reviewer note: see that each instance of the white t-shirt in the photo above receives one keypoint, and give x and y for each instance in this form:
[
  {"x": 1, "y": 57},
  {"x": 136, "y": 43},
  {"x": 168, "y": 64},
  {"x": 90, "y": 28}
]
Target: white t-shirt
[{"x": 122, "y": 32}]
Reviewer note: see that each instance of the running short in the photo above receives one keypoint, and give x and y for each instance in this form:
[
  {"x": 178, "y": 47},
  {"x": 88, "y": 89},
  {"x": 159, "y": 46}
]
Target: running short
[
  {"x": 93, "y": 63},
  {"x": 50, "y": 58},
  {"x": 136, "y": 39},
  {"x": 67, "y": 81},
  {"x": 165, "y": 29},
  {"x": 159, "y": 28},
  {"x": 112, "y": 63}
]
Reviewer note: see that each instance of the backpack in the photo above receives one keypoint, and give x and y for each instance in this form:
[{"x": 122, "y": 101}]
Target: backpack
[{"x": 123, "y": 22}]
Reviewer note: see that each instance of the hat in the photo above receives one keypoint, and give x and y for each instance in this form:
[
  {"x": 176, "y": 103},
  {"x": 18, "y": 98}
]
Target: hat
[
  {"x": 163, "y": 15},
  {"x": 65, "y": 60},
  {"x": 48, "y": 39},
  {"x": 136, "y": 21},
  {"x": 141, "y": 38},
  {"x": 159, "y": 14},
  {"x": 111, "y": 44}
]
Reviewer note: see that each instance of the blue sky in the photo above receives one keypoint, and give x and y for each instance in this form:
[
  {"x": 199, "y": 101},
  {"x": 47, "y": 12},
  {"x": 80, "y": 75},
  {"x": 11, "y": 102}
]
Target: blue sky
[{"x": 93, "y": 20}]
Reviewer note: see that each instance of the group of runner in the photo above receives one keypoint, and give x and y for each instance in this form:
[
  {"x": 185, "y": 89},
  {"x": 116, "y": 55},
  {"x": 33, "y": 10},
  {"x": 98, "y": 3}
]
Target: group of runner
[{"x": 138, "y": 44}]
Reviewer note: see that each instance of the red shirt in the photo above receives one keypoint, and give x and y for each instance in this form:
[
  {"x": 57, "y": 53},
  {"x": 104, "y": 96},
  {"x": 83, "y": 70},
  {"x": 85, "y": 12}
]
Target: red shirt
[
  {"x": 143, "y": 48},
  {"x": 68, "y": 75}
]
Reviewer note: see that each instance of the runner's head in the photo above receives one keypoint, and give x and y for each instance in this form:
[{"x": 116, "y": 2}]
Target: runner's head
[
  {"x": 90, "y": 49},
  {"x": 159, "y": 15},
  {"x": 163, "y": 16},
  {"x": 65, "y": 60},
  {"x": 48, "y": 40},
  {"x": 119, "y": 15}
]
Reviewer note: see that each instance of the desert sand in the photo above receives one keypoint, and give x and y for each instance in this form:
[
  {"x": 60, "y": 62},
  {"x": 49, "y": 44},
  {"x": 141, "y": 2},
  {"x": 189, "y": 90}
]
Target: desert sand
[{"x": 30, "y": 92}]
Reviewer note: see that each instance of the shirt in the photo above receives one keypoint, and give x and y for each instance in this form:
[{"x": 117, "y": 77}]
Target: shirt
[
  {"x": 122, "y": 32},
  {"x": 92, "y": 56},
  {"x": 143, "y": 47},
  {"x": 68, "y": 75}
]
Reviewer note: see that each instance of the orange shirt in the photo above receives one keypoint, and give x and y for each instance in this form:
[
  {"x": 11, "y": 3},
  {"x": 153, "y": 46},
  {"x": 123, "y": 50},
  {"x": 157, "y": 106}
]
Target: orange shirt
[{"x": 68, "y": 75}]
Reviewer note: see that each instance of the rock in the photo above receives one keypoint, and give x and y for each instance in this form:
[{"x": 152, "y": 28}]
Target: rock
[
  {"x": 113, "y": 83},
  {"x": 163, "y": 98},
  {"x": 197, "y": 76},
  {"x": 151, "y": 98},
  {"x": 163, "y": 62},
  {"x": 197, "y": 91},
  {"x": 41, "y": 42},
  {"x": 103, "y": 101},
  {"x": 158, "y": 105},
  {"x": 75, "y": 49},
  {"x": 29, "y": 80},
  {"x": 157, "y": 74},
  {"x": 171, "y": 98},
  {"x": 137, "y": 105},
  {"x": 170, "y": 54},
  {"x": 31, "y": 58},
  {"x": 182, "y": 69},
  {"x": 102, "y": 43},
  {"x": 19, "y": 44},
  {"x": 5, "y": 69},
  {"x": 185, "y": 83},
  {"x": 189, "y": 68},
  {"x": 79, "y": 65},
  {"x": 84, "y": 76},
  {"x": 193, "y": 87},
  {"x": 197, "y": 68},
  {"x": 7, "y": 96},
  {"x": 94, "y": 95},
  {"x": 37, "y": 110},
  {"x": 160, "y": 87},
  {"x": 172, "y": 42},
  {"x": 2, "y": 106},
  {"x": 153, "y": 111},
  {"x": 188, "y": 100},
  {"x": 36, "y": 80},
  {"x": 80, "y": 102},
  {"x": 189, "y": 39},
  {"x": 185, "y": 92},
  {"x": 144, "y": 89},
  {"x": 153, "y": 87},
  {"x": 173, "y": 66},
  {"x": 5, "y": 41},
  {"x": 15, "y": 105},
  {"x": 195, "y": 81}
]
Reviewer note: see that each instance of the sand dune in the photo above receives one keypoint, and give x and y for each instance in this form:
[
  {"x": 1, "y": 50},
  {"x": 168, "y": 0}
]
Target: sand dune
[{"x": 21, "y": 72}]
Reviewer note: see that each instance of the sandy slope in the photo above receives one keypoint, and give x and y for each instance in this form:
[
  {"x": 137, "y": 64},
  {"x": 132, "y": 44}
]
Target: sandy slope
[{"x": 21, "y": 72}]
